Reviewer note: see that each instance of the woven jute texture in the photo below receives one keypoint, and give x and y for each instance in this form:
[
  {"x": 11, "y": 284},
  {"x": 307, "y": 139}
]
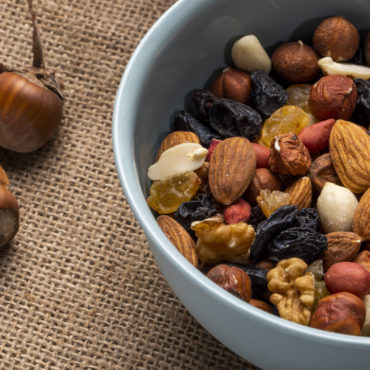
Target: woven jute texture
[{"x": 79, "y": 286}]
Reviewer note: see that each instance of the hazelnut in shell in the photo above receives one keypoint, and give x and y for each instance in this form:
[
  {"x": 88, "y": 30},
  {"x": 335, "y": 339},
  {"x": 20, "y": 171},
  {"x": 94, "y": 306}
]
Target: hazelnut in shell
[
  {"x": 296, "y": 62},
  {"x": 337, "y": 38}
]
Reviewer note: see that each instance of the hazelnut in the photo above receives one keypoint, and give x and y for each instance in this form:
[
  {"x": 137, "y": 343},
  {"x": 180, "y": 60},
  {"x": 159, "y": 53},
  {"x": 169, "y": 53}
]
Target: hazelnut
[
  {"x": 289, "y": 156},
  {"x": 233, "y": 84},
  {"x": 337, "y": 38},
  {"x": 367, "y": 49},
  {"x": 340, "y": 313},
  {"x": 263, "y": 179},
  {"x": 333, "y": 96},
  {"x": 233, "y": 279},
  {"x": 295, "y": 62},
  {"x": 321, "y": 171}
]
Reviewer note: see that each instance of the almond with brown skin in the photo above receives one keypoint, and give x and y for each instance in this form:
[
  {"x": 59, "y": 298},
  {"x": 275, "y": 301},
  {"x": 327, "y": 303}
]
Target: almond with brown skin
[
  {"x": 179, "y": 237},
  {"x": 349, "y": 147},
  {"x": 342, "y": 246},
  {"x": 231, "y": 169},
  {"x": 321, "y": 171},
  {"x": 175, "y": 138},
  {"x": 361, "y": 221},
  {"x": 300, "y": 192}
]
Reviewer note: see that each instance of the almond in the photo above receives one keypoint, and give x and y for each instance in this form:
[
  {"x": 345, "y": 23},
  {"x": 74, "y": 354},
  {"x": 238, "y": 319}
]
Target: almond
[
  {"x": 342, "y": 246},
  {"x": 231, "y": 169},
  {"x": 175, "y": 138},
  {"x": 179, "y": 237},
  {"x": 300, "y": 192},
  {"x": 361, "y": 221},
  {"x": 350, "y": 153}
]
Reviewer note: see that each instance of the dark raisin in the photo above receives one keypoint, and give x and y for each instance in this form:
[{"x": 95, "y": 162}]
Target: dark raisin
[
  {"x": 184, "y": 121},
  {"x": 266, "y": 95},
  {"x": 361, "y": 115},
  {"x": 202, "y": 101},
  {"x": 308, "y": 217},
  {"x": 279, "y": 220},
  {"x": 300, "y": 242},
  {"x": 230, "y": 118},
  {"x": 259, "y": 280},
  {"x": 256, "y": 216},
  {"x": 197, "y": 209}
]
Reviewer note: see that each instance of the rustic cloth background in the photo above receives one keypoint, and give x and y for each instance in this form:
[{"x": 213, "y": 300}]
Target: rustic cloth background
[{"x": 79, "y": 286}]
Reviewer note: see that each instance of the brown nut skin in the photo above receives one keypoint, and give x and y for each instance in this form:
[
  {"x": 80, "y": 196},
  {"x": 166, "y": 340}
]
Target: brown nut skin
[
  {"x": 340, "y": 313},
  {"x": 295, "y": 62},
  {"x": 367, "y": 49},
  {"x": 348, "y": 277},
  {"x": 333, "y": 96},
  {"x": 289, "y": 156},
  {"x": 9, "y": 215},
  {"x": 233, "y": 279},
  {"x": 263, "y": 179},
  {"x": 337, "y": 38},
  {"x": 321, "y": 171},
  {"x": 233, "y": 84},
  {"x": 363, "y": 258},
  {"x": 261, "y": 305}
]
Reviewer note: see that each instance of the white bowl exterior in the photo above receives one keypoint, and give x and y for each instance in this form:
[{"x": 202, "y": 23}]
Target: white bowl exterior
[{"x": 177, "y": 55}]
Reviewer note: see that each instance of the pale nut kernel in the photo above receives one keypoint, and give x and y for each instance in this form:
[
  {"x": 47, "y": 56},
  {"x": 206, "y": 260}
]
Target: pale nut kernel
[
  {"x": 336, "y": 206},
  {"x": 249, "y": 55},
  {"x": 329, "y": 67}
]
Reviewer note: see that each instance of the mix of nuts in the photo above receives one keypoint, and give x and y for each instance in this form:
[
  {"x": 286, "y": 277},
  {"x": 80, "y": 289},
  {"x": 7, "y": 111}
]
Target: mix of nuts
[{"x": 264, "y": 182}]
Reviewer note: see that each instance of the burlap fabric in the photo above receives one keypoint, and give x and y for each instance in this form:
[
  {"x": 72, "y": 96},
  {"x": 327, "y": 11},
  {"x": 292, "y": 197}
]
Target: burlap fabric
[{"x": 79, "y": 286}]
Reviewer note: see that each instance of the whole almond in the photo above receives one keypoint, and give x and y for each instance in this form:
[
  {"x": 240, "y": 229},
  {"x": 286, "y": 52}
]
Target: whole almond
[
  {"x": 342, "y": 246},
  {"x": 175, "y": 138},
  {"x": 179, "y": 237},
  {"x": 349, "y": 148},
  {"x": 231, "y": 169},
  {"x": 300, "y": 192},
  {"x": 361, "y": 221}
]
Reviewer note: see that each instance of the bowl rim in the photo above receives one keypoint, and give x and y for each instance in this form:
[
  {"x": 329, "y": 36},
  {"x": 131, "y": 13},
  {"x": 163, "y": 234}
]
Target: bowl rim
[{"x": 127, "y": 173}]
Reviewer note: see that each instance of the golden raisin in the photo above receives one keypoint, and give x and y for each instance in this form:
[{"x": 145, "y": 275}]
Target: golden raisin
[
  {"x": 167, "y": 195},
  {"x": 288, "y": 118},
  {"x": 269, "y": 201}
]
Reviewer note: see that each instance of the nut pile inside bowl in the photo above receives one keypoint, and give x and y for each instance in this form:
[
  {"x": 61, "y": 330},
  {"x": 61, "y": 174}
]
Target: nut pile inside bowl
[{"x": 263, "y": 183}]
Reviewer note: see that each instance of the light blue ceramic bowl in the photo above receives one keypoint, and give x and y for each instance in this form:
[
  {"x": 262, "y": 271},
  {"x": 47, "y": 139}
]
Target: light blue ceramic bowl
[{"x": 178, "y": 54}]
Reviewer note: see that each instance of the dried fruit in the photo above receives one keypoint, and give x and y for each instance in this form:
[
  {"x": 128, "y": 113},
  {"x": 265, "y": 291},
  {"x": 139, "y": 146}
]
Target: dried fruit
[
  {"x": 321, "y": 171},
  {"x": 300, "y": 192},
  {"x": 321, "y": 291},
  {"x": 348, "y": 277},
  {"x": 308, "y": 217},
  {"x": 289, "y": 156},
  {"x": 361, "y": 221},
  {"x": 349, "y": 148},
  {"x": 267, "y": 95},
  {"x": 179, "y": 237},
  {"x": 316, "y": 137},
  {"x": 178, "y": 159},
  {"x": 288, "y": 118},
  {"x": 361, "y": 115},
  {"x": 185, "y": 121},
  {"x": 256, "y": 216},
  {"x": 231, "y": 169},
  {"x": 263, "y": 179},
  {"x": 333, "y": 96},
  {"x": 340, "y": 313},
  {"x": 295, "y": 62},
  {"x": 167, "y": 195},
  {"x": 218, "y": 242},
  {"x": 240, "y": 211},
  {"x": 336, "y": 37},
  {"x": 292, "y": 290},
  {"x": 342, "y": 246},
  {"x": 301, "y": 242},
  {"x": 269, "y": 201},
  {"x": 233, "y": 84},
  {"x": 177, "y": 137},
  {"x": 233, "y": 279},
  {"x": 284, "y": 217},
  {"x": 249, "y": 55},
  {"x": 298, "y": 95},
  {"x": 333, "y": 198},
  {"x": 329, "y": 67}
]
